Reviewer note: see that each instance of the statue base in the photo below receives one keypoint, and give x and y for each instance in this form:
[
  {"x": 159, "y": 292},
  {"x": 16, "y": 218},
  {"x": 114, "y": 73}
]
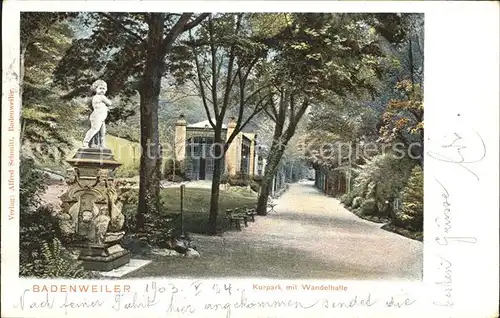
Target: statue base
[
  {"x": 92, "y": 211},
  {"x": 102, "y": 258},
  {"x": 94, "y": 157}
]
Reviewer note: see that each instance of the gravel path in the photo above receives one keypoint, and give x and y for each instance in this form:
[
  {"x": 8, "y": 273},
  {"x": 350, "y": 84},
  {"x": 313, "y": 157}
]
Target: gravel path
[{"x": 311, "y": 236}]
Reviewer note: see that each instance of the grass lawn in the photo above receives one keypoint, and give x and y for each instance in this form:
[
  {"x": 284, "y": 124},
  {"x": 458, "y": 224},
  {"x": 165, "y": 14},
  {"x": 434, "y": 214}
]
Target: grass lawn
[{"x": 196, "y": 207}]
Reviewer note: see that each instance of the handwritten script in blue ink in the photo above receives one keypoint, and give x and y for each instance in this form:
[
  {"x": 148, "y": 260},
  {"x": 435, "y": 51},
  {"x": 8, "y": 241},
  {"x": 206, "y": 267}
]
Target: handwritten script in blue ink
[
  {"x": 455, "y": 152},
  {"x": 199, "y": 299},
  {"x": 456, "y": 155}
]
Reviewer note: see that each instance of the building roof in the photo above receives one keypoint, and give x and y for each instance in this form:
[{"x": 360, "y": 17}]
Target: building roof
[
  {"x": 205, "y": 124},
  {"x": 249, "y": 136}
]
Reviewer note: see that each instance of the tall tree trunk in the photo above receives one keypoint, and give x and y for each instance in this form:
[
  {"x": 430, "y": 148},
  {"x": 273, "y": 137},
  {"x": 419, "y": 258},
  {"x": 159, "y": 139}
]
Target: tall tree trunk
[
  {"x": 280, "y": 140},
  {"x": 271, "y": 169},
  {"x": 214, "y": 197},
  {"x": 412, "y": 67},
  {"x": 263, "y": 196},
  {"x": 149, "y": 184},
  {"x": 219, "y": 152}
]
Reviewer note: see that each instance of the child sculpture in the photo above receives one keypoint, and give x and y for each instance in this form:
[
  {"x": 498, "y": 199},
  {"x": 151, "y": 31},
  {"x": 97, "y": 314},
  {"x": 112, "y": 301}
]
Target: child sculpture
[{"x": 98, "y": 116}]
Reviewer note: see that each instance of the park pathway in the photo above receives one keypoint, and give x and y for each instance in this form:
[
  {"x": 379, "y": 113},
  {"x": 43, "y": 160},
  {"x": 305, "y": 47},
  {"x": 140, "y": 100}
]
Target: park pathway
[{"x": 310, "y": 236}]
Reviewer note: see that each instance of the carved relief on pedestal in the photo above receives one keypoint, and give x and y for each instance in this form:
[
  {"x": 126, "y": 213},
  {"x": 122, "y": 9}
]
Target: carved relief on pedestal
[{"x": 91, "y": 208}]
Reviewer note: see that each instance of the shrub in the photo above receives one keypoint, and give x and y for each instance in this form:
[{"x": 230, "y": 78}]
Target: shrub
[
  {"x": 36, "y": 224},
  {"x": 242, "y": 175},
  {"x": 129, "y": 226},
  {"x": 412, "y": 212},
  {"x": 383, "y": 177},
  {"x": 224, "y": 179},
  {"x": 127, "y": 171},
  {"x": 176, "y": 178},
  {"x": 255, "y": 186},
  {"x": 52, "y": 264},
  {"x": 168, "y": 170},
  {"x": 35, "y": 228},
  {"x": 369, "y": 207},
  {"x": 159, "y": 229},
  {"x": 356, "y": 203},
  {"x": 257, "y": 179},
  {"x": 129, "y": 196},
  {"x": 386, "y": 208},
  {"x": 239, "y": 180},
  {"x": 31, "y": 185},
  {"x": 347, "y": 198},
  {"x": 236, "y": 182}
]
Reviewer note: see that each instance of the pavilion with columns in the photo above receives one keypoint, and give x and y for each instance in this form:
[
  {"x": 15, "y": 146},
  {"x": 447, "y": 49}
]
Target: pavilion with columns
[{"x": 195, "y": 150}]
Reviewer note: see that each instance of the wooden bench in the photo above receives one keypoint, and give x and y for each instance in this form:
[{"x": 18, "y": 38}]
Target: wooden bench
[
  {"x": 241, "y": 213},
  {"x": 235, "y": 219},
  {"x": 251, "y": 213}
]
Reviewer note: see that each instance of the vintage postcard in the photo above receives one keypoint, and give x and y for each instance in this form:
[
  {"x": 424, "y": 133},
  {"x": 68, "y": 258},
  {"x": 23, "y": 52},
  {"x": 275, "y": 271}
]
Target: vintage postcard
[{"x": 250, "y": 159}]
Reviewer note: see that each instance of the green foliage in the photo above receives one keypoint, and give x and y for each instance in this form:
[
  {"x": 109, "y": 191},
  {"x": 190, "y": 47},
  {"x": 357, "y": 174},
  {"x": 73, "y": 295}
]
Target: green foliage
[
  {"x": 242, "y": 180},
  {"x": 257, "y": 179},
  {"x": 159, "y": 229},
  {"x": 224, "y": 179},
  {"x": 168, "y": 171},
  {"x": 127, "y": 171},
  {"x": 35, "y": 23},
  {"x": 347, "y": 198},
  {"x": 129, "y": 196},
  {"x": 31, "y": 185},
  {"x": 129, "y": 226},
  {"x": 356, "y": 203},
  {"x": 334, "y": 49},
  {"x": 35, "y": 225},
  {"x": 53, "y": 264},
  {"x": 35, "y": 228},
  {"x": 359, "y": 114},
  {"x": 255, "y": 186},
  {"x": 403, "y": 119},
  {"x": 412, "y": 213},
  {"x": 369, "y": 207},
  {"x": 121, "y": 53},
  {"x": 45, "y": 118},
  {"x": 383, "y": 177},
  {"x": 239, "y": 180}
]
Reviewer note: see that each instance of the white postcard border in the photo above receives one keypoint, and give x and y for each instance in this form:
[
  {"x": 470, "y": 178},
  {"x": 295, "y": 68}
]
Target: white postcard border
[{"x": 461, "y": 98}]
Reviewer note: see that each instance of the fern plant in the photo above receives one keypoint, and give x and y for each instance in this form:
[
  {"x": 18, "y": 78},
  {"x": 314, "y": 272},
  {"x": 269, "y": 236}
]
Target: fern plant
[{"x": 53, "y": 264}]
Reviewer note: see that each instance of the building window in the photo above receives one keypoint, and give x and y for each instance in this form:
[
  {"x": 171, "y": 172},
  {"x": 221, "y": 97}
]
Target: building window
[{"x": 245, "y": 156}]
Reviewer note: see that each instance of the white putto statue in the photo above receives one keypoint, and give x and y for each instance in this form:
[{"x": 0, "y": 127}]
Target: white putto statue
[{"x": 100, "y": 105}]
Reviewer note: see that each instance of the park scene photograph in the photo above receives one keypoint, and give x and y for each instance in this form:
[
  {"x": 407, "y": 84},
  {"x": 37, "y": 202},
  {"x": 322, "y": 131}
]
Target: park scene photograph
[{"x": 280, "y": 145}]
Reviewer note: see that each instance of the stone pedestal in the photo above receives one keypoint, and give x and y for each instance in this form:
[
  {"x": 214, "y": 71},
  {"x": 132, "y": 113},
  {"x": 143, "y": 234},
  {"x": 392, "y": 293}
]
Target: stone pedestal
[
  {"x": 103, "y": 258},
  {"x": 91, "y": 211}
]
